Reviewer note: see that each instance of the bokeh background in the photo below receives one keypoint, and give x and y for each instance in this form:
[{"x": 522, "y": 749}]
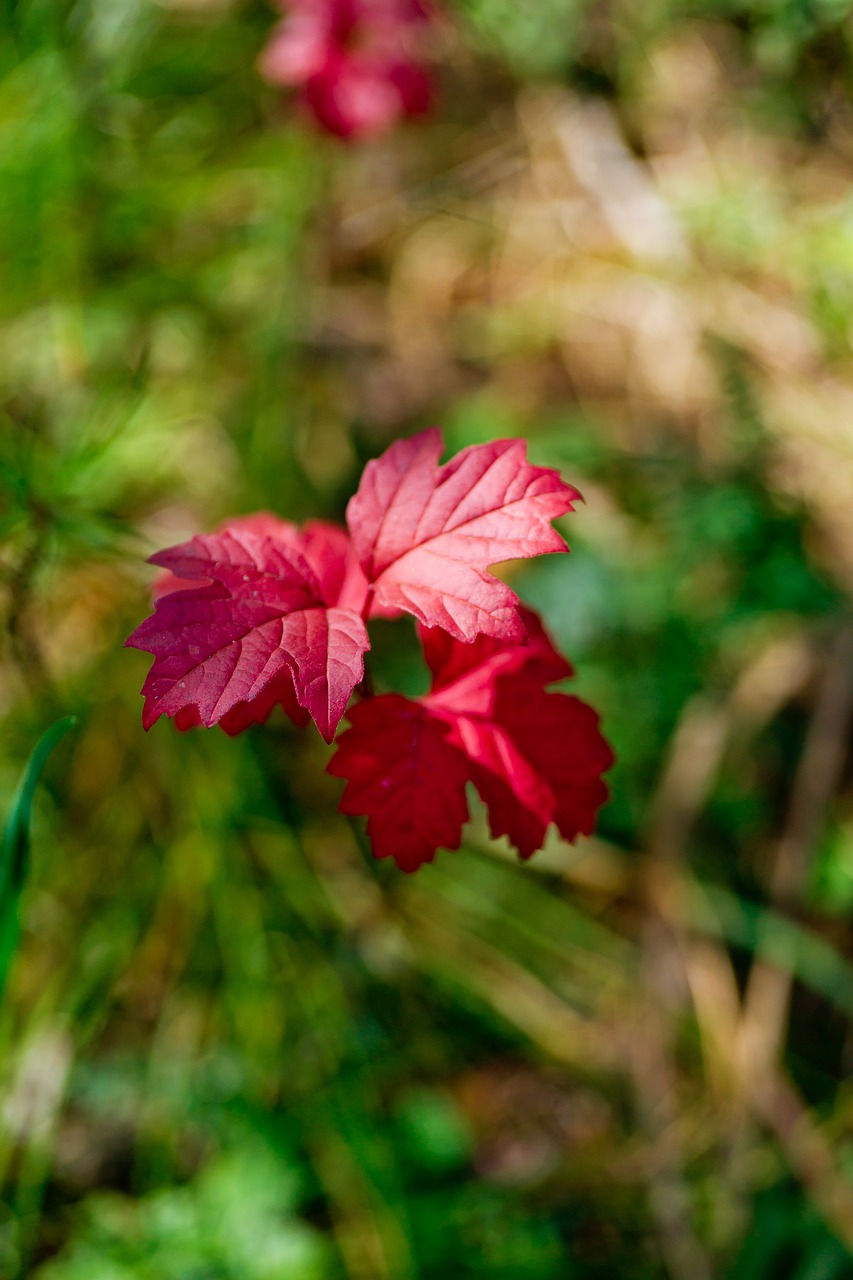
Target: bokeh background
[{"x": 231, "y": 1046}]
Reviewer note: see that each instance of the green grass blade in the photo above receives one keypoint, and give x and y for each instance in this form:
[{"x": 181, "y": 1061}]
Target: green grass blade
[{"x": 14, "y": 854}]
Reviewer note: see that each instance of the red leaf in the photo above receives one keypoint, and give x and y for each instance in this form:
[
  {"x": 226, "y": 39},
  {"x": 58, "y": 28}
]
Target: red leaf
[
  {"x": 425, "y": 534},
  {"x": 253, "y": 611},
  {"x": 406, "y": 775},
  {"x": 535, "y": 757},
  {"x": 559, "y": 736},
  {"x": 484, "y": 657}
]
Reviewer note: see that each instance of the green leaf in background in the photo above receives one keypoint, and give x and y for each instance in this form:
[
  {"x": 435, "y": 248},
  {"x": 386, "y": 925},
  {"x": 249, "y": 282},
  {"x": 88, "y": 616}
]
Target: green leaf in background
[
  {"x": 237, "y": 1218},
  {"x": 14, "y": 858}
]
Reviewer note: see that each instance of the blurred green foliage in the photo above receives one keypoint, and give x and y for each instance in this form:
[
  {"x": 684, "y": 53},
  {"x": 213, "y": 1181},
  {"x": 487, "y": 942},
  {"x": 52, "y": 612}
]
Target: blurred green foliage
[
  {"x": 231, "y": 1044},
  {"x": 15, "y": 845}
]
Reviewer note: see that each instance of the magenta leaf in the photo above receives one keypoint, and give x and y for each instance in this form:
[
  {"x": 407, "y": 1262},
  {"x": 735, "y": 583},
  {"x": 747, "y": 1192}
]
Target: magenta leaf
[
  {"x": 426, "y": 534},
  {"x": 252, "y": 612},
  {"x": 325, "y": 547},
  {"x": 330, "y": 553},
  {"x": 278, "y": 693}
]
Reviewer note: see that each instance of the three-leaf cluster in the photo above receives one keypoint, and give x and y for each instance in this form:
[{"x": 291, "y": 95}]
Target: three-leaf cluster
[{"x": 263, "y": 614}]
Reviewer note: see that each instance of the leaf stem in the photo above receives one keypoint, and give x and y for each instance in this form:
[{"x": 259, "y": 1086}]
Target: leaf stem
[{"x": 366, "y": 689}]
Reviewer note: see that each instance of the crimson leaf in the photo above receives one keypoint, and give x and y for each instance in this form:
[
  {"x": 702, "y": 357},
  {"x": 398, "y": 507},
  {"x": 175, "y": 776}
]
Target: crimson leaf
[
  {"x": 407, "y": 775},
  {"x": 535, "y": 757}
]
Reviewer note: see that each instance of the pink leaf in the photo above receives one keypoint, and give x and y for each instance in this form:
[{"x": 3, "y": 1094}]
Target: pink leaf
[
  {"x": 426, "y": 534},
  {"x": 535, "y": 757},
  {"x": 252, "y": 612}
]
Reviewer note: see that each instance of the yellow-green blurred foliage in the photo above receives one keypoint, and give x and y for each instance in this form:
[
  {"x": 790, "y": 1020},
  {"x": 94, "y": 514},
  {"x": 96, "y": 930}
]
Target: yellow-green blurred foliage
[{"x": 233, "y": 1047}]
